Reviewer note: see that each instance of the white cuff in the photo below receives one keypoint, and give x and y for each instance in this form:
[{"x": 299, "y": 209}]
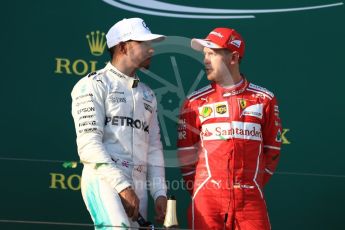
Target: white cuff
[{"x": 158, "y": 193}]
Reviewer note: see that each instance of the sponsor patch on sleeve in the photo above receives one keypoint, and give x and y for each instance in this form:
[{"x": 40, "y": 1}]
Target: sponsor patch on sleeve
[
  {"x": 148, "y": 107},
  {"x": 249, "y": 108}
]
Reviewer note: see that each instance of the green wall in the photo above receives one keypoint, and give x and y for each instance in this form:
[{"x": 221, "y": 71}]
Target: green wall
[{"x": 298, "y": 54}]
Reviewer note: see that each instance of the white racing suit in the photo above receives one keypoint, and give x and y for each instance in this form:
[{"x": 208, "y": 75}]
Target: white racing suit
[{"x": 118, "y": 142}]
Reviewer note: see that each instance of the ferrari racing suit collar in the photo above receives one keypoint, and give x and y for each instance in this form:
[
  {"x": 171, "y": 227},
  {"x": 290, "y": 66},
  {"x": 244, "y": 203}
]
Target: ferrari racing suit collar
[{"x": 236, "y": 89}]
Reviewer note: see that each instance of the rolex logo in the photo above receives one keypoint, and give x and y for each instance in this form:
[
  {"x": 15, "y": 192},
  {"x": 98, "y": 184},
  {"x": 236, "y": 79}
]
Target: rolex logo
[{"x": 96, "y": 42}]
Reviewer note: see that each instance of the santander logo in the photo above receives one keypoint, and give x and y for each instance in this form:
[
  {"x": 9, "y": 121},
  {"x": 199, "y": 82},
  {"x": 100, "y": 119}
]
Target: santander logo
[
  {"x": 234, "y": 129},
  {"x": 158, "y": 8}
]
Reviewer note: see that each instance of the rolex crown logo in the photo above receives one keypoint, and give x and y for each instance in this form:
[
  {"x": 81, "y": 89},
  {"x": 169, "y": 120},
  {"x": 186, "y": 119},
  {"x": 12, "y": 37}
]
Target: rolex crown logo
[{"x": 96, "y": 42}]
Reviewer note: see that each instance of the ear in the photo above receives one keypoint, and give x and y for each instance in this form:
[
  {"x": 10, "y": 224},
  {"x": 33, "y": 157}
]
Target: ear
[
  {"x": 235, "y": 57},
  {"x": 123, "y": 47}
]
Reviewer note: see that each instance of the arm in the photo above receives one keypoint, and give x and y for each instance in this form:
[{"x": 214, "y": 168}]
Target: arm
[
  {"x": 88, "y": 110},
  {"x": 156, "y": 170},
  {"x": 272, "y": 139},
  {"x": 160, "y": 206},
  {"x": 130, "y": 202},
  {"x": 188, "y": 141}
]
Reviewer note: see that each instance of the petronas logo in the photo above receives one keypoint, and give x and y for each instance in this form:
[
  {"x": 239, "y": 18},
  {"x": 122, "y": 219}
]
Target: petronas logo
[{"x": 96, "y": 42}]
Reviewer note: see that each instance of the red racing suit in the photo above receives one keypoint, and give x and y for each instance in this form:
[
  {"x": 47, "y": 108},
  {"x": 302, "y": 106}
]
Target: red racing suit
[{"x": 228, "y": 146}]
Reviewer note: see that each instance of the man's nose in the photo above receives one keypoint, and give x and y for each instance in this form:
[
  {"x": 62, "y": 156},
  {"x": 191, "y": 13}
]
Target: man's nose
[{"x": 206, "y": 60}]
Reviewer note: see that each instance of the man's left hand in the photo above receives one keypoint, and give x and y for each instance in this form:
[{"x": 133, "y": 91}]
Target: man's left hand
[{"x": 161, "y": 206}]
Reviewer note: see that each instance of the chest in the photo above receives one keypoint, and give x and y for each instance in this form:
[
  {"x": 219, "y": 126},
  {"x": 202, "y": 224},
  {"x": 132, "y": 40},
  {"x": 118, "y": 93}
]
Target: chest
[
  {"x": 130, "y": 103},
  {"x": 240, "y": 108}
]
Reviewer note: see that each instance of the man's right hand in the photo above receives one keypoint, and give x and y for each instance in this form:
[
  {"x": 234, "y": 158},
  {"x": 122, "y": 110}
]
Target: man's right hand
[{"x": 130, "y": 202}]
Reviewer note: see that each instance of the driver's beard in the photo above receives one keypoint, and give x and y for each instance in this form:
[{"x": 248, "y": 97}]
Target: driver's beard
[{"x": 145, "y": 64}]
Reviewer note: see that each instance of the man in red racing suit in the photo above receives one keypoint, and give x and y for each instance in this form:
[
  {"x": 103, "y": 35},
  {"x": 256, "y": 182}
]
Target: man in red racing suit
[{"x": 229, "y": 139}]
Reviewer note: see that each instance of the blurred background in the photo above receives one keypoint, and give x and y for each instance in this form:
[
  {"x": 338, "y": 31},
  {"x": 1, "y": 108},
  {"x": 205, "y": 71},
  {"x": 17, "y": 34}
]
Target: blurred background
[{"x": 294, "y": 48}]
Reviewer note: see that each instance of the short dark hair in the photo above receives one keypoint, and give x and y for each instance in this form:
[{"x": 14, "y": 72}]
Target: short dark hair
[{"x": 111, "y": 51}]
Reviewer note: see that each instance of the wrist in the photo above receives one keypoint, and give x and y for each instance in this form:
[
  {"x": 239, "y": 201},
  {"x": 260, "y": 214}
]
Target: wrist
[{"x": 126, "y": 189}]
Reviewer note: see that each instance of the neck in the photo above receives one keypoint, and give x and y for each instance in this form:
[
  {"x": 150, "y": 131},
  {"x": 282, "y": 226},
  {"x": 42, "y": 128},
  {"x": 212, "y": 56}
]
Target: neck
[
  {"x": 230, "y": 79},
  {"x": 124, "y": 66}
]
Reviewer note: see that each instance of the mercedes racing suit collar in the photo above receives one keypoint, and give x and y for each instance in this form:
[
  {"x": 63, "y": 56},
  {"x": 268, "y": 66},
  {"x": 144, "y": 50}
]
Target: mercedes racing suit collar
[{"x": 132, "y": 82}]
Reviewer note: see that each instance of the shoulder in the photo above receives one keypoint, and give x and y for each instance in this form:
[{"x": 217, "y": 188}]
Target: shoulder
[
  {"x": 97, "y": 75},
  {"x": 148, "y": 93},
  {"x": 260, "y": 90},
  {"x": 93, "y": 78},
  {"x": 144, "y": 86},
  {"x": 146, "y": 89},
  {"x": 200, "y": 92}
]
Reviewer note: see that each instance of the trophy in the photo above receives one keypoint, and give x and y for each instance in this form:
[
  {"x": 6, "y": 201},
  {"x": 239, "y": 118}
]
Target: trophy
[{"x": 170, "y": 220}]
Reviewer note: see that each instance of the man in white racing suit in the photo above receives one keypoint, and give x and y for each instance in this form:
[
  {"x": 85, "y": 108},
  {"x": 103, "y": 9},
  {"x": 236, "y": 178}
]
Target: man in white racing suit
[{"x": 118, "y": 134}]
